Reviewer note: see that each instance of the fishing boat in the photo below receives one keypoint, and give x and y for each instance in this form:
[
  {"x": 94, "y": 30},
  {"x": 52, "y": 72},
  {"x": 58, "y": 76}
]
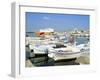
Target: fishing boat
[
  {"x": 40, "y": 49},
  {"x": 68, "y": 52},
  {"x": 84, "y": 48},
  {"x": 56, "y": 51}
]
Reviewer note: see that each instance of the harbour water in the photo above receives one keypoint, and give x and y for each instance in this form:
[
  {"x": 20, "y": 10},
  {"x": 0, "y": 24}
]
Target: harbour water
[
  {"x": 82, "y": 40},
  {"x": 30, "y": 34}
]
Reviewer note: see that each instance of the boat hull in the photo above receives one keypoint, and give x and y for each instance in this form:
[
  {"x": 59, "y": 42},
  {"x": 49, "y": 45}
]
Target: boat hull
[{"x": 57, "y": 56}]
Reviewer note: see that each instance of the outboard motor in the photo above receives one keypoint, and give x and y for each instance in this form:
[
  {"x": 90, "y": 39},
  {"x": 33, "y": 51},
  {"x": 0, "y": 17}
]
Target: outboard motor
[{"x": 32, "y": 53}]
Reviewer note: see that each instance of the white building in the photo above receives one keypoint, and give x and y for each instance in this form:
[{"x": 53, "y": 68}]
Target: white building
[{"x": 47, "y": 30}]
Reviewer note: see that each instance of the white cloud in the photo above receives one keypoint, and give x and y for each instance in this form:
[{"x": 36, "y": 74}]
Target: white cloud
[{"x": 46, "y": 18}]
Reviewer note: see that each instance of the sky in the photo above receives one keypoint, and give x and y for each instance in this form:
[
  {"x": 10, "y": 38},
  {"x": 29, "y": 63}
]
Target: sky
[{"x": 59, "y": 22}]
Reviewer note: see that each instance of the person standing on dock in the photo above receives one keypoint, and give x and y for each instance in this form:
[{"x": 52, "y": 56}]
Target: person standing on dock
[{"x": 72, "y": 40}]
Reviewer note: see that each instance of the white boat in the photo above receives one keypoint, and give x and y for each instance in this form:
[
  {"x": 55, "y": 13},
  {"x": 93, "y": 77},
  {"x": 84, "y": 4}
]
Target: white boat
[
  {"x": 40, "y": 49},
  {"x": 84, "y": 48},
  {"x": 68, "y": 52}
]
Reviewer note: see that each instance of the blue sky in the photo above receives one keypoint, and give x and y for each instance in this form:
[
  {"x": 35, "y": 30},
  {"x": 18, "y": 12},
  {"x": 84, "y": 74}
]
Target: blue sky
[{"x": 60, "y": 22}]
